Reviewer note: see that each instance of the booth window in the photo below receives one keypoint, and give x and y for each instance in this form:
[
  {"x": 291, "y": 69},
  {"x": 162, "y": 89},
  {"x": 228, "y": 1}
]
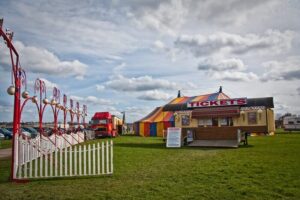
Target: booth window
[
  {"x": 223, "y": 121},
  {"x": 229, "y": 121},
  {"x": 205, "y": 122},
  {"x": 252, "y": 118},
  {"x": 201, "y": 122},
  {"x": 208, "y": 122},
  {"x": 185, "y": 120},
  {"x": 215, "y": 122},
  {"x": 226, "y": 121}
]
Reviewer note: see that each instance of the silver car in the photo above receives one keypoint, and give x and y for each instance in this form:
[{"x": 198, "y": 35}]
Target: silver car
[{"x": 2, "y": 136}]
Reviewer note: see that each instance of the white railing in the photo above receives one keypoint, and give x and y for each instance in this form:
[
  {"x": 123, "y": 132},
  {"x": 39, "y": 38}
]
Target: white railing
[{"x": 84, "y": 160}]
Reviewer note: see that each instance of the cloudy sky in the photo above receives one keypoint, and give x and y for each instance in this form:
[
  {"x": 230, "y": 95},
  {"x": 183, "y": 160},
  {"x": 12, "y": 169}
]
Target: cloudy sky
[{"x": 135, "y": 55}]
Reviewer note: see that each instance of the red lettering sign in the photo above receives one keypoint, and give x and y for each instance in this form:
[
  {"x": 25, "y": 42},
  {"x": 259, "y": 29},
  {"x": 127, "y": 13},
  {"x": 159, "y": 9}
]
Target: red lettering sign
[
  {"x": 242, "y": 101},
  {"x": 204, "y": 103},
  {"x": 221, "y": 102},
  {"x": 213, "y": 103}
]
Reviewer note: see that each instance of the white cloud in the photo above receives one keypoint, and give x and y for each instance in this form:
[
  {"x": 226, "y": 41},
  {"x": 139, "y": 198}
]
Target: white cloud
[
  {"x": 49, "y": 84},
  {"x": 92, "y": 100},
  {"x": 234, "y": 76},
  {"x": 166, "y": 18},
  {"x": 227, "y": 69},
  {"x": 155, "y": 95},
  {"x": 94, "y": 30},
  {"x": 142, "y": 83},
  {"x": 282, "y": 70},
  {"x": 173, "y": 16},
  {"x": 136, "y": 113},
  {"x": 39, "y": 60},
  {"x": 223, "y": 65},
  {"x": 99, "y": 87},
  {"x": 298, "y": 90},
  {"x": 202, "y": 45},
  {"x": 119, "y": 68},
  {"x": 6, "y": 109},
  {"x": 159, "y": 44}
]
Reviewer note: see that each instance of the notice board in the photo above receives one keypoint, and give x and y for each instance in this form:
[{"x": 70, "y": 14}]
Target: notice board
[{"x": 173, "y": 137}]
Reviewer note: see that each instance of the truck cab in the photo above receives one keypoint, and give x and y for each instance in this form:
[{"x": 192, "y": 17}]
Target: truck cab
[{"x": 101, "y": 123}]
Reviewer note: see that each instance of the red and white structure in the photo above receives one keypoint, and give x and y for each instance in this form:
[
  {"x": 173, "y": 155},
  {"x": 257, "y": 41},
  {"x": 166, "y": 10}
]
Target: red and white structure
[{"x": 54, "y": 155}]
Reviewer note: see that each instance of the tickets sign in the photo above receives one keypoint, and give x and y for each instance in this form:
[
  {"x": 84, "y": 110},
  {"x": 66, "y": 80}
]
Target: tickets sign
[{"x": 221, "y": 102}]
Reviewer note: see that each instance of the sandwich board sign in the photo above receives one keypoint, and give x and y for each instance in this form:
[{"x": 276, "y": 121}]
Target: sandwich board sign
[
  {"x": 173, "y": 137},
  {"x": 190, "y": 136}
]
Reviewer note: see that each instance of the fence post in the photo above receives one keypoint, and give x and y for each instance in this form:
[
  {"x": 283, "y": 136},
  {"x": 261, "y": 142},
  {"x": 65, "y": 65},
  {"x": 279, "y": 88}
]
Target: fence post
[
  {"x": 46, "y": 164},
  {"x": 66, "y": 161},
  {"x": 107, "y": 157},
  {"x": 80, "y": 161},
  {"x": 60, "y": 162},
  {"x": 98, "y": 157},
  {"x": 102, "y": 159},
  {"x": 75, "y": 160},
  {"x": 111, "y": 157},
  {"x": 16, "y": 155},
  {"x": 94, "y": 159},
  {"x": 89, "y": 159},
  {"x": 35, "y": 162},
  {"x": 41, "y": 165},
  {"x": 25, "y": 152},
  {"x": 71, "y": 173},
  {"x": 55, "y": 162},
  {"x": 51, "y": 163},
  {"x": 30, "y": 160},
  {"x": 84, "y": 160}
]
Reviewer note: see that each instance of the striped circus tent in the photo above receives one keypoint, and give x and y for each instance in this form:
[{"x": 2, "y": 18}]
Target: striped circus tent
[{"x": 157, "y": 121}]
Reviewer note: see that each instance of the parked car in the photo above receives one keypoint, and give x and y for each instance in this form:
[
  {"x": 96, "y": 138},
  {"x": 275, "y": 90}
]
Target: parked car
[
  {"x": 2, "y": 136},
  {"x": 7, "y": 134},
  {"x": 25, "y": 133},
  {"x": 31, "y": 130}
]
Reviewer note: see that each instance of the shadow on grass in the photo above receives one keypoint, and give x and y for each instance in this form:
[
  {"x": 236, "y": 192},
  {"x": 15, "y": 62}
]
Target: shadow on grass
[
  {"x": 163, "y": 146},
  {"x": 246, "y": 146},
  {"x": 101, "y": 176},
  {"x": 142, "y": 145}
]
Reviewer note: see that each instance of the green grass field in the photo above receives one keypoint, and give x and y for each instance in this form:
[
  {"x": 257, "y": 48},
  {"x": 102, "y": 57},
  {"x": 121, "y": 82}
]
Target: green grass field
[
  {"x": 5, "y": 144},
  {"x": 269, "y": 168}
]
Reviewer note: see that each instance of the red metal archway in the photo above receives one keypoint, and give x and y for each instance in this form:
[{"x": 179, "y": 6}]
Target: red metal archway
[{"x": 39, "y": 99}]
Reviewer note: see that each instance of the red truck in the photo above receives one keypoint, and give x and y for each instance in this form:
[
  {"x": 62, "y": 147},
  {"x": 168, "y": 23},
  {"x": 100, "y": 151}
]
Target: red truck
[{"x": 106, "y": 125}]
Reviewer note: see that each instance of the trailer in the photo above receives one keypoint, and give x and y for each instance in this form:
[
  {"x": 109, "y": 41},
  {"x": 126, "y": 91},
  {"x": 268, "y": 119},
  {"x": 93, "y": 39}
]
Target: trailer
[{"x": 291, "y": 123}]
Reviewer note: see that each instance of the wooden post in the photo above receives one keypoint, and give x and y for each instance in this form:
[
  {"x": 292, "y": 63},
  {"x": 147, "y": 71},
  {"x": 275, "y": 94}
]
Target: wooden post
[
  {"x": 84, "y": 160},
  {"x": 98, "y": 157},
  {"x": 102, "y": 157},
  {"x": 94, "y": 159},
  {"x": 111, "y": 157},
  {"x": 80, "y": 163},
  {"x": 107, "y": 157},
  {"x": 89, "y": 159},
  {"x": 71, "y": 173},
  {"x": 75, "y": 160}
]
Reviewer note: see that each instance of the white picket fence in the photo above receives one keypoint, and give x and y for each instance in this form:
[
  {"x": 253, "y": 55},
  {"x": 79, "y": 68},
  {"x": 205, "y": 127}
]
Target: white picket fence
[{"x": 41, "y": 158}]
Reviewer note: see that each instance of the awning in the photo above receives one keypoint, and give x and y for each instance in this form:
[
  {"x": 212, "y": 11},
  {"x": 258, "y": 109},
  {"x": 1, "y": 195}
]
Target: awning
[{"x": 232, "y": 111}]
